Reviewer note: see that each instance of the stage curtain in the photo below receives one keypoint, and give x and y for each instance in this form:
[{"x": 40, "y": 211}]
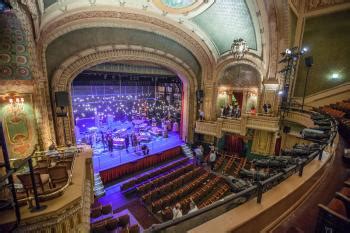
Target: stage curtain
[
  {"x": 138, "y": 165},
  {"x": 278, "y": 146},
  {"x": 234, "y": 144},
  {"x": 239, "y": 98}
]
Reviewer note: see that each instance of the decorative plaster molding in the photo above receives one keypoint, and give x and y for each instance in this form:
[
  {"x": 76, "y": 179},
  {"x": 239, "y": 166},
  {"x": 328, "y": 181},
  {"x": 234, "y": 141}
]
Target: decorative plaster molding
[{"x": 98, "y": 17}]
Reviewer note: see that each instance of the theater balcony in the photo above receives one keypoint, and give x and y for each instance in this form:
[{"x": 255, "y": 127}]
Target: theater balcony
[
  {"x": 237, "y": 125},
  {"x": 61, "y": 205}
]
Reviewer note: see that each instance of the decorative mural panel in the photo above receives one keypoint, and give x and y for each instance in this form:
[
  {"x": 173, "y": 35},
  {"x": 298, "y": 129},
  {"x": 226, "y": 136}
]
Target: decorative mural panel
[
  {"x": 225, "y": 21},
  {"x": 14, "y": 55},
  {"x": 240, "y": 76},
  {"x": 19, "y": 125}
]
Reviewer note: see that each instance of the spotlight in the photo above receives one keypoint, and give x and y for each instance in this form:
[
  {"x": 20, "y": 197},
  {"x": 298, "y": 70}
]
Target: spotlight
[
  {"x": 280, "y": 92},
  {"x": 335, "y": 76},
  {"x": 305, "y": 49},
  {"x": 288, "y": 51}
]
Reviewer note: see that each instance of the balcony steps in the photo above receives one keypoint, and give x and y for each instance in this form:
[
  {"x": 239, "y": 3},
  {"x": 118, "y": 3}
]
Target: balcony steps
[
  {"x": 187, "y": 151},
  {"x": 99, "y": 189}
]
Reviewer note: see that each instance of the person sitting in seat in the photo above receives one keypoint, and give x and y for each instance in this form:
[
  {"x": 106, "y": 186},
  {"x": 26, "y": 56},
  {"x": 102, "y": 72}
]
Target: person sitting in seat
[
  {"x": 177, "y": 212},
  {"x": 193, "y": 207}
]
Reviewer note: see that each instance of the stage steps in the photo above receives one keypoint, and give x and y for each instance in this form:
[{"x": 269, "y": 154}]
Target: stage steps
[
  {"x": 187, "y": 151},
  {"x": 99, "y": 189}
]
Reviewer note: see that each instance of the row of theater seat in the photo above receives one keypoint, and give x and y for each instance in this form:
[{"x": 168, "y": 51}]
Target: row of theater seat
[
  {"x": 171, "y": 185},
  {"x": 340, "y": 111},
  {"x": 121, "y": 223},
  {"x": 146, "y": 176},
  {"x": 219, "y": 162},
  {"x": 152, "y": 184},
  {"x": 197, "y": 196},
  {"x": 217, "y": 195},
  {"x": 333, "y": 112},
  {"x": 336, "y": 215},
  {"x": 200, "y": 194},
  {"x": 175, "y": 196},
  {"x": 229, "y": 164}
]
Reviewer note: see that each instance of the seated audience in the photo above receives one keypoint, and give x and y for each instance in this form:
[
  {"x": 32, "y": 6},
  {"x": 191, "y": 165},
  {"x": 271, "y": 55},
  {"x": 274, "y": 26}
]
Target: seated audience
[
  {"x": 177, "y": 212},
  {"x": 193, "y": 206}
]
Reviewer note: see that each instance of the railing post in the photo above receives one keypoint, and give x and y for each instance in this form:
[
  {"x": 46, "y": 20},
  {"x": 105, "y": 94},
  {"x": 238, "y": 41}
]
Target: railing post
[
  {"x": 36, "y": 198},
  {"x": 301, "y": 168},
  {"x": 10, "y": 178},
  {"x": 320, "y": 155},
  {"x": 260, "y": 192}
]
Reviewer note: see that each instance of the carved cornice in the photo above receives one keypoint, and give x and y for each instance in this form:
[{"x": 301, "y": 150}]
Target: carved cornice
[
  {"x": 128, "y": 19},
  {"x": 74, "y": 65}
]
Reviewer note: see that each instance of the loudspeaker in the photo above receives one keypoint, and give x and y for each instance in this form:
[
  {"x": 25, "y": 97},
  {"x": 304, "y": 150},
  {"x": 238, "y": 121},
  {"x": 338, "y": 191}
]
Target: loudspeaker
[
  {"x": 286, "y": 129},
  {"x": 200, "y": 95},
  {"x": 309, "y": 61},
  {"x": 62, "y": 114},
  {"x": 62, "y": 99}
]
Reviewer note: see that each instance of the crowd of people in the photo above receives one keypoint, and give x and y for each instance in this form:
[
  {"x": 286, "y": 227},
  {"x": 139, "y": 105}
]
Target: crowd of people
[
  {"x": 107, "y": 140},
  {"x": 230, "y": 111},
  {"x": 199, "y": 156}
]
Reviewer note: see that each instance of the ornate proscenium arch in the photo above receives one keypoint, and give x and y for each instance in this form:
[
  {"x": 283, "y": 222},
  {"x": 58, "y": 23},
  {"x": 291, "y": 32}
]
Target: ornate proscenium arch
[{"x": 64, "y": 76}]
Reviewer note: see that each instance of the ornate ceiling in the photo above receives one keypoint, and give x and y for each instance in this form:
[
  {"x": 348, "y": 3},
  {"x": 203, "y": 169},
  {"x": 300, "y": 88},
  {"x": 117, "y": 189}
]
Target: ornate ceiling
[{"x": 216, "y": 22}]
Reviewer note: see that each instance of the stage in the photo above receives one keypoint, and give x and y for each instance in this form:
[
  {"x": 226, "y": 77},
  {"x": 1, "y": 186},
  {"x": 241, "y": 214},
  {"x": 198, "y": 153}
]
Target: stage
[{"x": 103, "y": 160}]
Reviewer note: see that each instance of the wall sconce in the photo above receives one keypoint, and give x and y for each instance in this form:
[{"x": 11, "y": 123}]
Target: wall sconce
[
  {"x": 335, "y": 76},
  {"x": 16, "y": 104}
]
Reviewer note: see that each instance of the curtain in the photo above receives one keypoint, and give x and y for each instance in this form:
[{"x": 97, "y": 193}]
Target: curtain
[
  {"x": 278, "y": 146},
  {"x": 138, "y": 165},
  {"x": 239, "y": 98},
  {"x": 234, "y": 144}
]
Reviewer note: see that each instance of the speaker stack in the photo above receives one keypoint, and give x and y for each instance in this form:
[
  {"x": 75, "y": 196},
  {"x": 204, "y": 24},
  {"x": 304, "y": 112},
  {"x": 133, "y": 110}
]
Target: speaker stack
[
  {"x": 200, "y": 96},
  {"x": 62, "y": 101}
]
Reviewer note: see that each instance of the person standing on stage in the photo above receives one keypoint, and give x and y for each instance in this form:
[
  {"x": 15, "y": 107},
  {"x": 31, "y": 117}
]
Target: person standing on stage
[
  {"x": 103, "y": 139},
  {"x": 127, "y": 143},
  {"x": 110, "y": 143}
]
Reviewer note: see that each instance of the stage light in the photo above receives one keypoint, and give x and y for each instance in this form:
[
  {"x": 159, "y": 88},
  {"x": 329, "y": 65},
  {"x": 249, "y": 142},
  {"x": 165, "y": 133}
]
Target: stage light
[
  {"x": 305, "y": 49},
  {"x": 280, "y": 92},
  {"x": 288, "y": 51}
]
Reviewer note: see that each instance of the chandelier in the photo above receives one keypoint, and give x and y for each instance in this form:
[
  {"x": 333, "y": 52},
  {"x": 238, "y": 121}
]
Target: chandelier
[{"x": 239, "y": 48}]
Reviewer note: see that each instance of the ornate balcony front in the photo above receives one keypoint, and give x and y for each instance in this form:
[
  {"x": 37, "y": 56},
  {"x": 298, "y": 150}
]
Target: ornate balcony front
[{"x": 237, "y": 125}]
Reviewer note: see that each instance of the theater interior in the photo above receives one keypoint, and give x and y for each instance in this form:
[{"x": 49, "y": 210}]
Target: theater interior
[{"x": 174, "y": 116}]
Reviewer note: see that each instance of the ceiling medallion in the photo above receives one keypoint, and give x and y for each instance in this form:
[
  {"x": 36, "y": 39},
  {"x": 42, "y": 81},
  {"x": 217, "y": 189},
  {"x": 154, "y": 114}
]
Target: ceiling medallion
[{"x": 178, "y": 6}]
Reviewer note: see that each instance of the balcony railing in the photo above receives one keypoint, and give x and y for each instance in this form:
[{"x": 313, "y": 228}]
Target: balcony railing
[{"x": 237, "y": 125}]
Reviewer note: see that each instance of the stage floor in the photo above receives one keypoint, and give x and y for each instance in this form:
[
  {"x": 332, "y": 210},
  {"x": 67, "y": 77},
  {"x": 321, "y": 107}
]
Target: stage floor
[{"x": 103, "y": 159}]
